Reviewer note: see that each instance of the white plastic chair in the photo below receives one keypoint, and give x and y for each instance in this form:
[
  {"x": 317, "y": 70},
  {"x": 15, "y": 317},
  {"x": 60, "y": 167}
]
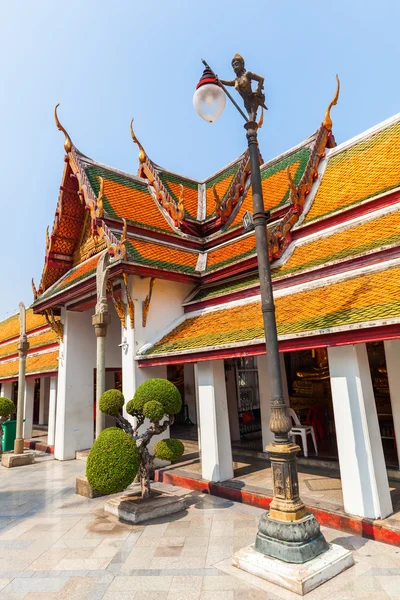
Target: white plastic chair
[{"x": 303, "y": 431}]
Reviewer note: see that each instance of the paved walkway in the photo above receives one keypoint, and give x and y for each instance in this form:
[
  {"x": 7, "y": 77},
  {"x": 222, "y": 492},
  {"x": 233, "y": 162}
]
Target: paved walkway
[{"x": 55, "y": 544}]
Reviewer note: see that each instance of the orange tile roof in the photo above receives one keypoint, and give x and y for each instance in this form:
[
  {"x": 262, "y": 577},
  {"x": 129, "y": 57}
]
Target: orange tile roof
[
  {"x": 161, "y": 256},
  {"x": 366, "y": 169},
  {"x": 128, "y": 199},
  {"x": 73, "y": 276},
  {"x": 357, "y": 240},
  {"x": 233, "y": 252},
  {"x": 353, "y": 301},
  {"x": 35, "y": 341},
  {"x": 275, "y": 183},
  {"x": 41, "y": 363},
  {"x": 9, "y": 328}
]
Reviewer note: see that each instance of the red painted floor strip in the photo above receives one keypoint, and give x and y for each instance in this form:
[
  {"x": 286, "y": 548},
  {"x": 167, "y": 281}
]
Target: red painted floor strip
[{"x": 374, "y": 530}]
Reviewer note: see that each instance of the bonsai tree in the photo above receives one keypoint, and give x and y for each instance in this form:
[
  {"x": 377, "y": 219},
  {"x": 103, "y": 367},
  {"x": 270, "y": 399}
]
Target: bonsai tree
[
  {"x": 158, "y": 401},
  {"x": 6, "y": 408}
]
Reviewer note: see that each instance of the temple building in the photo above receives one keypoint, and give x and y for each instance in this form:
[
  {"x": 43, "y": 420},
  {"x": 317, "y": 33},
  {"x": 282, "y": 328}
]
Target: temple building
[{"x": 184, "y": 295}]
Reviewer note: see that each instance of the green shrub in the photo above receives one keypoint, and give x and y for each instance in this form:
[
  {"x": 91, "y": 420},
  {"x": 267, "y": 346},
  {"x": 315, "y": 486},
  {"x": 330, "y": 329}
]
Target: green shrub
[
  {"x": 7, "y": 407},
  {"x": 113, "y": 461},
  {"x": 169, "y": 449},
  {"x": 135, "y": 406},
  {"x": 111, "y": 402},
  {"x": 159, "y": 390},
  {"x": 153, "y": 410}
]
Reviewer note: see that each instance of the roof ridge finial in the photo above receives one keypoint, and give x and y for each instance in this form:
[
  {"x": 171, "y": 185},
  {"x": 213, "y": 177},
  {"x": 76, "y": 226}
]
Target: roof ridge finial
[
  {"x": 67, "y": 141},
  {"x": 142, "y": 153},
  {"x": 327, "y": 122}
]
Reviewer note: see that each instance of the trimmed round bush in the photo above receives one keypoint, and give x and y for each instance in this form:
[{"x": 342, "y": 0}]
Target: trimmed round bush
[
  {"x": 153, "y": 410},
  {"x": 113, "y": 461},
  {"x": 111, "y": 402},
  {"x": 169, "y": 449},
  {"x": 7, "y": 407},
  {"x": 159, "y": 390},
  {"x": 135, "y": 406}
]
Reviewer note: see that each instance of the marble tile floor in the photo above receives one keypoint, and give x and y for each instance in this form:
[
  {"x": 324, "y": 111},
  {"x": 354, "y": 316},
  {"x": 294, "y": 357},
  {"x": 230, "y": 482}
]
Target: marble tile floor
[{"x": 55, "y": 544}]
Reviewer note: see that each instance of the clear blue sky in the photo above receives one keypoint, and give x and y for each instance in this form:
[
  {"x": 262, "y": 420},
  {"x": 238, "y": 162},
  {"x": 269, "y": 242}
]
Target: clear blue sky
[{"x": 106, "y": 61}]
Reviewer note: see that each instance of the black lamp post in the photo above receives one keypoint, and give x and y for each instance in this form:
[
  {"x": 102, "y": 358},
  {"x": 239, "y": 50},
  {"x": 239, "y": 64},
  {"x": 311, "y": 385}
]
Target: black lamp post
[{"x": 287, "y": 532}]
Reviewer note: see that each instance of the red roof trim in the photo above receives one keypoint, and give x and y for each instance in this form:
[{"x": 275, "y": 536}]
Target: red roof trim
[
  {"x": 351, "y": 213},
  {"x": 341, "y": 338},
  {"x": 342, "y": 267}
]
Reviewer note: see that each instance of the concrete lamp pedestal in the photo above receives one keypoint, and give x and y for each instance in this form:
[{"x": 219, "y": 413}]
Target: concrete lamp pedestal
[{"x": 298, "y": 578}]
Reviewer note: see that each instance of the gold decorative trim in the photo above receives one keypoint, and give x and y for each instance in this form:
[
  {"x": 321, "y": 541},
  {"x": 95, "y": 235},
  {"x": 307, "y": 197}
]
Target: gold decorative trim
[
  {"x": 146, "y": 302},
  {"x": 327, "y": 122},
  {"x": 116, "y": 248},
  {"x": 217, "y": 199},
  {"x": 54, "y": 324},
  {"x": 224, "y": 207},
  {"x": 131, "y": 306},
  {"x": 119, "y": 304},
  {"x": 67, "y": 141},
  {"x": 142, "y": 153},
  {"x": 175, "y": 211},
  {"x": 34, "y": 290}
]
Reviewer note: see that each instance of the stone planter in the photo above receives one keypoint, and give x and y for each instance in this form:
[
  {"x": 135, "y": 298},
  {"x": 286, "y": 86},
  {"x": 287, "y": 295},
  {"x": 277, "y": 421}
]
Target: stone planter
[{"x": 130, "y": 508}]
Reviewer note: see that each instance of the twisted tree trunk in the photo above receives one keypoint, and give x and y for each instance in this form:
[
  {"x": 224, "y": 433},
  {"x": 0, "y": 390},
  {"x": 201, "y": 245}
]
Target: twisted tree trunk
[{"x": 146, "y": 459}]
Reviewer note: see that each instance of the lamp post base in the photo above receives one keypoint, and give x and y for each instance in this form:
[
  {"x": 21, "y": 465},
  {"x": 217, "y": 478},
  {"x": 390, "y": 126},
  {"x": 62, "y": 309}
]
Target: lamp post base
[
  {"x": 299, "y": 579},
  {"x": 291, "y": 541},
  {"x": 18, "y": 446}
]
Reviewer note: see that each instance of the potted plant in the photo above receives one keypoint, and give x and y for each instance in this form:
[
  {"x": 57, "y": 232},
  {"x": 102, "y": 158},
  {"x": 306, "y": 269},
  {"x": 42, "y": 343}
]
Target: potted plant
[{"x": 122, "y": 452}]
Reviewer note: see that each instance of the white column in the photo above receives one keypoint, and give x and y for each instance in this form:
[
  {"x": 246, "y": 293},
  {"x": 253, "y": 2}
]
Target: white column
[
  {"x": 232, "y": 397},
  {"x": 6, "y": 389},
  {"x": 74, "y": 416},
  {"x": 265, "y": 395},
  {"x": 392, "y": 353},
  {"x": 216, "y": 452},
  {"x": 52, "y": 412},
  {"x": 128, "y": 366},
  {"x": 362, "y": 463},
  {"x": 44, "y": 400},
  {"x": 28, "y": 408},
  {"x": 190, "y": 391}
]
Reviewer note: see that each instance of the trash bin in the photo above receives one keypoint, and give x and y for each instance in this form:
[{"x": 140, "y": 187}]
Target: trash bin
[{"x": 9, "y": 434}]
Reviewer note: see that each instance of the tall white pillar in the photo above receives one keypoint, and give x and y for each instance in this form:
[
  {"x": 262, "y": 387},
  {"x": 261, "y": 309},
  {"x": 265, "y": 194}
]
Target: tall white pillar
[
  {"x": 232, "y": 397},
  {"x": 190, "y": 391},
  {"x": 28, "y": 408},
  {"x": 216, "y": 452},
  {"x": 43, "y": 400},
  {"x": 362, "y": 464},
  {"x": 6, "y": 389},
  {"x": 265, "y": 395},
  {"x": 392, "y": 353},
  {"x": 51, "y": 430},
  {"x": 74, "y": 415}
]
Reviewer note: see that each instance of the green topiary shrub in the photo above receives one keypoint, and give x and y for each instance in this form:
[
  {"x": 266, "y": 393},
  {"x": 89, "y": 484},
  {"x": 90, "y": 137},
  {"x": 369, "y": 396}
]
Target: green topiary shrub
[
  {"x": 159, "y": 390},
  {"x": 7, "y": 407},
  {"x": 153, "y": 410},
  {"x": 114, "y": 458},
  {"x": 135, "y": 406},
  {"x": 169, "y": 449},
  {"x": 111, "y": 402},
  {"x": 113, "y": 461}
]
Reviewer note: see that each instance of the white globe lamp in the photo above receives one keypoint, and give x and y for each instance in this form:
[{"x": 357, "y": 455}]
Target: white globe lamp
[{"x": 209, "y": 98}]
